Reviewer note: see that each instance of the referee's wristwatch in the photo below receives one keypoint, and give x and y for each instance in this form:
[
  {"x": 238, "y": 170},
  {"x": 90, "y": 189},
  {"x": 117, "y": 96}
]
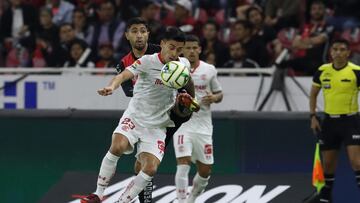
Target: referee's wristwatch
[{"x": 312, "y": 115}]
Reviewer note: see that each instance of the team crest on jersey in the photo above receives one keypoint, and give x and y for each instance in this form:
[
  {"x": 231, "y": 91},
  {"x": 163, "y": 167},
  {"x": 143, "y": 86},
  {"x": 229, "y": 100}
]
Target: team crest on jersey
[
  {"x": 208, "y": 149},
  {"x": 136, "y": 64},
  {"x": 161, "y": 146}
]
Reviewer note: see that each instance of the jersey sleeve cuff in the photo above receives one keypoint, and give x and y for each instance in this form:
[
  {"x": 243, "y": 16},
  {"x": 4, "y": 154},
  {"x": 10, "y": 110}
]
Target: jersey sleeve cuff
[{"x": 316, "y": 84}]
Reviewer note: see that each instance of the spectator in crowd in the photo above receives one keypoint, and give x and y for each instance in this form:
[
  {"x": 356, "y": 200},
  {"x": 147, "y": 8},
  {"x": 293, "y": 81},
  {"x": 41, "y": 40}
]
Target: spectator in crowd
[
  {"x": 346, "y": 14},
  {"x": 282, "y": 13},
  {"x": 107, "y": 29},
  {"x": 106, "y": 56},
  {"x": 79, "y": 55},
  {"x": 182, "y": 17},
  {"x": 62, "y": 11},
  {"x": 256, "y": 17},
  {"x": 310, "y": 47},
  {"x": 211, "y": 43},
  {"x": 80, "y": 24},
  {"x": 253, "y": 45},
  {"x": 67, "y": 36},
  {"x": 89, "y": 7},
  {"x": 47, "y": 39},
  {"x": 238, "y": 57},
  {"x": 210, "y": 58},
  {"x": 18, "y": 24},
  {"x": 150, "y": 12}
]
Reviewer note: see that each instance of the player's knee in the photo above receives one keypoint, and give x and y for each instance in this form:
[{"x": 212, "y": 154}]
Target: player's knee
[
  {"x": 205, "y": 172},
  {"x": 119, "y": 144},
  {"x": 183, "y": 161},
  {"x": 150, "y": 169},
  {"x": 329, "y": 166}
]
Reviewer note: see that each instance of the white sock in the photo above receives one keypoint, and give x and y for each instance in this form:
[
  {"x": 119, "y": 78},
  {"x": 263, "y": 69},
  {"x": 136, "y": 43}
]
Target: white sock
[
  {"x": 182, "y": 182},
  {"x": 135, "y": 187},
  {"x": 107, "y": 171},
  {"x": 199, "y": 184}
]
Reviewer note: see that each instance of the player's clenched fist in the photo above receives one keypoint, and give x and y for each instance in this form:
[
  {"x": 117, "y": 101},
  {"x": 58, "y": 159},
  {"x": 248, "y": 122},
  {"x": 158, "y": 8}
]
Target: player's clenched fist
[{"x": 106, "y": 91}]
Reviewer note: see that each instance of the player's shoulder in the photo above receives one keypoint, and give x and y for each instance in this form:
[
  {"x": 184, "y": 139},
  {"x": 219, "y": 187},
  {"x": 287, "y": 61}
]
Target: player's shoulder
[
  {"x": 325, "y": 66},
  {"x": 149, "y": 57},
  {"x": 208, "y": 67},
  {"x": 353, "y": 66},
  {"x": 185, "y": 61},
  {"x": 128, "y": 59}
]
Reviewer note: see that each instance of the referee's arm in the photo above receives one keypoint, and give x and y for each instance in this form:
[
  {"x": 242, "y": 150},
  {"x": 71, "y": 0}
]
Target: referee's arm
[{"x": 313, "y": 98}]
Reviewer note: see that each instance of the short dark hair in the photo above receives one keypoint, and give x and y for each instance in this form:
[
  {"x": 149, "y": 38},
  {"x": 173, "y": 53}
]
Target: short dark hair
[
  {"x": 106, "y": 2},
  {"x": 318, "y": 2},
  {"x": 192, "y": 38},
  {"x": 66, "y": 24},
  {"x": 341, "y": 41},
  {"x": 253, "y": 8},
  {"x": 212, "y": 22},
  {"x": 135, "y": 21},
  {"x": 174, "y": 33},
  {"x": 246, "y": 24}
]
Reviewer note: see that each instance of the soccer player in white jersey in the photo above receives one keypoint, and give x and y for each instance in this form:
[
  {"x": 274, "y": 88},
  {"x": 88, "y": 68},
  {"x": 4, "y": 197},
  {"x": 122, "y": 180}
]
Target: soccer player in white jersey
[
  {"x": 193, "y": 140},
  {"x": 146, "y": 118}
]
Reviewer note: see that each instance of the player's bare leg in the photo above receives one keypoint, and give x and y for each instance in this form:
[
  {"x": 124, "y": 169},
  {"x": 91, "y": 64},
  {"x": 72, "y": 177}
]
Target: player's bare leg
[
  {"x": 200, "y": 180},
  {"x": 329, "y": 162},
  {"x": 119, "y": 144},
  {"x": 149, "y": 166},
  {"x": 354, "y": 157},
  {"x": 182, "y": 178}
]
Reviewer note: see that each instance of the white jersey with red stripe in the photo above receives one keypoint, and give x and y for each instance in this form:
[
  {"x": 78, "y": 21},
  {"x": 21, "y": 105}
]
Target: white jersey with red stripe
[
  {"x": 152, "y": 100},
  {"x": 205, "y": 80}
]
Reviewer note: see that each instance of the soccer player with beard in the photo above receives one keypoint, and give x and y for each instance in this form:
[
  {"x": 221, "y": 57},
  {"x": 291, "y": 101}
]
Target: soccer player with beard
[{"x": 145, "y": 120}]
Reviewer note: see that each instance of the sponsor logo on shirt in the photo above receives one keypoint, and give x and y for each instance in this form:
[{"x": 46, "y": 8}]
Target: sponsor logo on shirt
[{"x": 158, "y": 82}]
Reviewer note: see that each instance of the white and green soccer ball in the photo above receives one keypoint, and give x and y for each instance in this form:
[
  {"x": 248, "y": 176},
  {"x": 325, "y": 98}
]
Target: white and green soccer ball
[{"x": 175, "y": 74}]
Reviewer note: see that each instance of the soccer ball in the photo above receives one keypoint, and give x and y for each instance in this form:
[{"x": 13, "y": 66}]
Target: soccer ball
[{"x": 175, "y": 74}]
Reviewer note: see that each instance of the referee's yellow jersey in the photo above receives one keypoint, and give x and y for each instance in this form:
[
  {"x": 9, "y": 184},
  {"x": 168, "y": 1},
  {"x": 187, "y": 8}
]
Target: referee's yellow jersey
[{"x": 340, "y": 88}]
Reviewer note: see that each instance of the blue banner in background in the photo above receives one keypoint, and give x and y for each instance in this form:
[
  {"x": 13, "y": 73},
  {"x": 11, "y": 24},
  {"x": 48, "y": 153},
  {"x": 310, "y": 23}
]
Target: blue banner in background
[{"x": 30, "y": 95}]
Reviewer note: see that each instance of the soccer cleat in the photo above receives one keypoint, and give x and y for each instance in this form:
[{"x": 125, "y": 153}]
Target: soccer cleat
[{"x": 92, "y": 198}]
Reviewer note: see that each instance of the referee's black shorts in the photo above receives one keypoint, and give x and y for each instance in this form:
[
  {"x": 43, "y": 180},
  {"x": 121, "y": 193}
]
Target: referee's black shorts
[{"x": 339, "y": 129}]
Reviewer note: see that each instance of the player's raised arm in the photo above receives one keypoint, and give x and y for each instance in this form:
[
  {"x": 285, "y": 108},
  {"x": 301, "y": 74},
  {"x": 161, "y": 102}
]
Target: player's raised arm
[{"x": 116, "y": 82}]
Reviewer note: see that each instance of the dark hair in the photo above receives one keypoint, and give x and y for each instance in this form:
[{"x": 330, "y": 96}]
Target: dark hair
[
  {"x": 318, "y": 2},
  {"x": 66, "y": 24},
  {"x": 341, "y": 41},
  {"x": 106, "y": 2},
  {"x": 212, "y": 22},
  {"x": 146, "y": 3},
  {"x": 174, "y": 33},
  {"x": 135, "y": 21},
  {"x": 47, "y": 10},
  {"x": 79, "y": 10},
  {"x": 80, "y": 42},
  {"x": 246, "y": 24},
  {"x": 253, "y": 8},
  {"x": 192, "y": 38}
]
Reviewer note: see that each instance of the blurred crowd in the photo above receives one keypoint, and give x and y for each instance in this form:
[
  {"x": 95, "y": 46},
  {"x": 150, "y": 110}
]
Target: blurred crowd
[{"x": 233, "y": 33}]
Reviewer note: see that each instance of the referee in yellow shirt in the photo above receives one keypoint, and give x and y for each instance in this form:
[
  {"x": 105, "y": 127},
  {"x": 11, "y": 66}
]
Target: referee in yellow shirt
[{"x": 340, "y": 83}]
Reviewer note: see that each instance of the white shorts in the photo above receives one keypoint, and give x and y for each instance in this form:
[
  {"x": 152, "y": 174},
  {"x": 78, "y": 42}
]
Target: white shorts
[
  {"x": 198, "y": 146},
  {"x": 151, "y": 140}
]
